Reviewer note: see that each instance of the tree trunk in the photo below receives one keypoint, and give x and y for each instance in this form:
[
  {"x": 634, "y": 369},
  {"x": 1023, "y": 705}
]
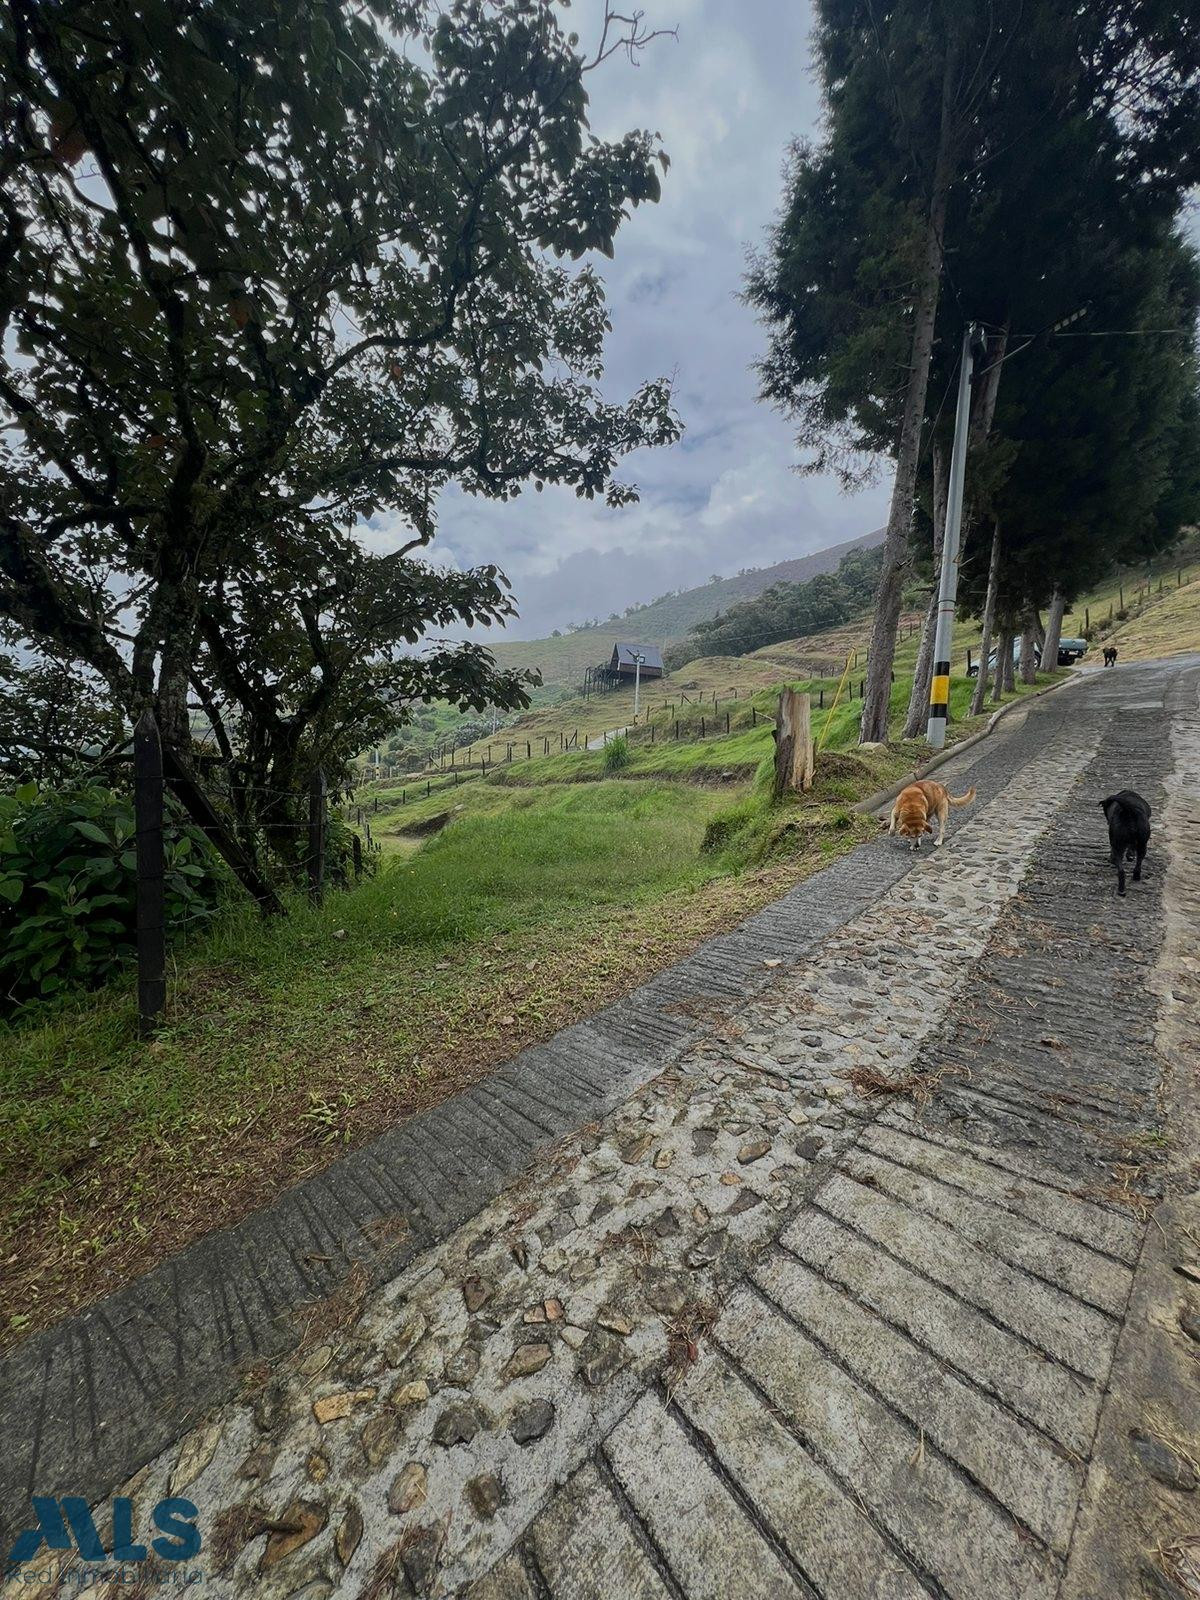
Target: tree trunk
[
  {"x": 918, "y": 700},
  {"x": 793, "y": 744},
  {"x": 1028, "y": 659},
  {"x": 989, "y": 623},
  {"x": 1003, "y": 649},
  {"x": 877, "y": 692},
  {"x": 1054, "y": 622},
  {"x": 1010, "y": 634}
]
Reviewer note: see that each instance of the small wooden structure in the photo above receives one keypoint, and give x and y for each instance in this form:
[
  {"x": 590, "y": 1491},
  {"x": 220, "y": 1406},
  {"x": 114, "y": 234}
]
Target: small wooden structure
[
  {"x": 623, "y": 665},
  {"x": 794, "y": 759}
]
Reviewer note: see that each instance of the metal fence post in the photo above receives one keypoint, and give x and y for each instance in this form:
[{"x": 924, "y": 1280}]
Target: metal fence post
[{"x": 151, "y": 893}]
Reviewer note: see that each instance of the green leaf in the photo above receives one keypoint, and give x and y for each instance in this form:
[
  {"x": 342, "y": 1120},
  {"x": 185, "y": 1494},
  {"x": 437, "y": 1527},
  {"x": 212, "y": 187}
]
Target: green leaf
[
  {"x": 89, "y": 830},
  {"x": 10, "y": 889}
]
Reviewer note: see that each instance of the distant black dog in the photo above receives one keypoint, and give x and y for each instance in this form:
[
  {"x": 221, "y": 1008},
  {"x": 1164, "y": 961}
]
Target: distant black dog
[
  {"x": 1128, "y": 818},
  {"x": 1110, "y": 655}
]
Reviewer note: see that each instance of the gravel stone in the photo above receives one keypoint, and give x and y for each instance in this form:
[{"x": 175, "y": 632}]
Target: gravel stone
[
  {"x": 408, "y": 1489},
  {"x": 486, "y": 1494},
  {"x": 532, "y": 1421},
  {"x": 457, "y": 1425}
]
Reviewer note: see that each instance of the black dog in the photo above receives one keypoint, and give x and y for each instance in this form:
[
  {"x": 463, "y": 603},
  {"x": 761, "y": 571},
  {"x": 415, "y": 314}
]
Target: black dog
[
  {"x": 1128, "y": 818},
  {"x": 1110, "y": 655}
]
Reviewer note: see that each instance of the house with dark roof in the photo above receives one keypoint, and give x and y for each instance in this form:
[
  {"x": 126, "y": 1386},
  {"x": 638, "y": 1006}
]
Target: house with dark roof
[{"x": 624, "y": 660}]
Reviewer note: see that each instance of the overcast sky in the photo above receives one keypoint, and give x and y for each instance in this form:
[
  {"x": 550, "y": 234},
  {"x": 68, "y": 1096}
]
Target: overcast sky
[{"x": 726, "y": 97}]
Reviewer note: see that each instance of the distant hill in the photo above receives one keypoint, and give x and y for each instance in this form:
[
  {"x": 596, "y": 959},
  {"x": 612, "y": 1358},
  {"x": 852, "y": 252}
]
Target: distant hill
[{"x": 562, "y": 661}]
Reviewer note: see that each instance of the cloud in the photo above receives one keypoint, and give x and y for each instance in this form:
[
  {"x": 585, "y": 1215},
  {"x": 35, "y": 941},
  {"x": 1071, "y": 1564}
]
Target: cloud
[{"x": 727, "y": 98}]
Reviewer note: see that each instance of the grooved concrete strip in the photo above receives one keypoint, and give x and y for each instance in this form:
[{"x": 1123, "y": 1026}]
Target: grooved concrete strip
[
  {"x": 904, "y": 1398},
  {"x": 108, "y": 1388},
  {"x": 1128, "y": 1541}
]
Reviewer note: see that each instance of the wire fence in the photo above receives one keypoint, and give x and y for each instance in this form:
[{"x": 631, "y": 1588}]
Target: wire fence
[
  {"x": 686, "y": 715},
  {"x": 699, "y": 720}
]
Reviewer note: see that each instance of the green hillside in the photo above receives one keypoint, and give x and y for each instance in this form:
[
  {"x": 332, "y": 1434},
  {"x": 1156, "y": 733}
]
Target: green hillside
[{"x": 562, "y": 660}]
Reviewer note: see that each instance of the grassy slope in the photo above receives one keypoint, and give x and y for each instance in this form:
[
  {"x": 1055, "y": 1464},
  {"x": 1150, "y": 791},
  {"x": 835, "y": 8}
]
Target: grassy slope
[
  {"x": 288, "y": 1040},
  {"x": 1167, "y": 628}
]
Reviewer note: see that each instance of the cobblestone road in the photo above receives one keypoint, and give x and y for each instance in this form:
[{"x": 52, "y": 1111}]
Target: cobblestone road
[{"x": 768, "y": 1327}]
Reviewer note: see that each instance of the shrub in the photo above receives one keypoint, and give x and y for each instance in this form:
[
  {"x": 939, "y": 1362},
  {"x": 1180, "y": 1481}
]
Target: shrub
[
  {"x": 68, "y": 888},
  {"x": 616, "y": 754}
]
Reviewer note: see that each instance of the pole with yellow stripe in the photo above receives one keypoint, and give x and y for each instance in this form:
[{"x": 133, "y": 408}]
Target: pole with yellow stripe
[{"x": 939, "y": 689}]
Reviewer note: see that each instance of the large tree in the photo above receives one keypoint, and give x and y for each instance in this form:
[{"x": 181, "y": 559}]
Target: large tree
[
  {"x": 1101, "y": 433},
  {"x": 937, "y": 169},
  {"x": 266, "y": 272}
]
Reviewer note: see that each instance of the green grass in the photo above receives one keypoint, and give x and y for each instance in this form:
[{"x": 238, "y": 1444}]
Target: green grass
[{"x": 286, "y": 1035}]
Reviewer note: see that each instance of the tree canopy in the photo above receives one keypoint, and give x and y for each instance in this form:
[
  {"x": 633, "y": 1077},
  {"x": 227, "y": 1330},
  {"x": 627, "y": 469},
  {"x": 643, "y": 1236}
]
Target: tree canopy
[
  {"x": 266, "y": 273},
  {"x": 1045, "y": 177}
]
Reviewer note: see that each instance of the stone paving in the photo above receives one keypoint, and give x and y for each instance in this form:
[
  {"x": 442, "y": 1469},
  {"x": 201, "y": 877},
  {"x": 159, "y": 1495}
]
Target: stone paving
[{"x": 763, "y": 1328}]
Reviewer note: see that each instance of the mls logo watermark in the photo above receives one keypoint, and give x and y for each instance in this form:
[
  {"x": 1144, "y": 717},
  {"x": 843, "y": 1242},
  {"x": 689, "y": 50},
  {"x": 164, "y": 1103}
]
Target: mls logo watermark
[{"x": 66, "y": 1525}]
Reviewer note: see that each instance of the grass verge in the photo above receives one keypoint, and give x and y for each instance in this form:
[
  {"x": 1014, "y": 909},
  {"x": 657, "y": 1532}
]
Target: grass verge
[{"x": 286, "y": 1042}]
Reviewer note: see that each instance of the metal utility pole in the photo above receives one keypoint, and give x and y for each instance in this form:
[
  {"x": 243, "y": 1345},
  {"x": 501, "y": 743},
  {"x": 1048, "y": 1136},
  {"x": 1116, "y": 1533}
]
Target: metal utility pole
[
  {"x": 939, "y": 689},
  {"x": 637, "y": 683}
]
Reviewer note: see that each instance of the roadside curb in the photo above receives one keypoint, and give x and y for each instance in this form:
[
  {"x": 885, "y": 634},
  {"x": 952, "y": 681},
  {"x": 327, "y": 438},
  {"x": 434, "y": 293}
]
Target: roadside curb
[{"x": 876, "y": 801}]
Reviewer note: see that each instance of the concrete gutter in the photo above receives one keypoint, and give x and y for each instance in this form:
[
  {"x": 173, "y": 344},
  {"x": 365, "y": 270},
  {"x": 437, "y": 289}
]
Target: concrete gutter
[{"x": 877, "y": 801}]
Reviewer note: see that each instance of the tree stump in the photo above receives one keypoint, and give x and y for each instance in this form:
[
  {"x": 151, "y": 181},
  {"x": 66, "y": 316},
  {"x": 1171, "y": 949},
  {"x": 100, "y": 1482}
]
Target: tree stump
[{"x": 793, "y": 744}]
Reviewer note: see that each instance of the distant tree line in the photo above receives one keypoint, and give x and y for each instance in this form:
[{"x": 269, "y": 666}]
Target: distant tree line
[
  {"x": 1023, "y": 168},
  {"x": 785, "y": 611}
]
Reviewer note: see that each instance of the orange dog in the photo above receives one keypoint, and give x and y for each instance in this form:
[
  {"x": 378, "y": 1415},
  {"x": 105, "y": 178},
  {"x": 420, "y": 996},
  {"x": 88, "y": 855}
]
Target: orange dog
[{"x": 916, "y": 805}]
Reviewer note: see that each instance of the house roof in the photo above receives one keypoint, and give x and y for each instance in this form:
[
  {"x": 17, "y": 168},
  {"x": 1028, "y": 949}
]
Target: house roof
[{"x": 650, "y": 653}]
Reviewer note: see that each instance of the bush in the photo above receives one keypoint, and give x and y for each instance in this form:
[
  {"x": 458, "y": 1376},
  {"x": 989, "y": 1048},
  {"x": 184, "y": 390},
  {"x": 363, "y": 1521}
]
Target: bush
[
  {"x": 616, "y": 754},
  {"x": 68, "y": 888}
]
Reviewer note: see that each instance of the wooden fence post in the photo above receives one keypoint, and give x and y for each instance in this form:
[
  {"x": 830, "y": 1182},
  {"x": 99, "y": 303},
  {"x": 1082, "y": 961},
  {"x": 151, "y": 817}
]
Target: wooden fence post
[
  {"x": 793, "y": 743},
  {"x": 356, "y": 851},
  {"x": 316, "y": 836},
  {"x": 151, "y": 893}
]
